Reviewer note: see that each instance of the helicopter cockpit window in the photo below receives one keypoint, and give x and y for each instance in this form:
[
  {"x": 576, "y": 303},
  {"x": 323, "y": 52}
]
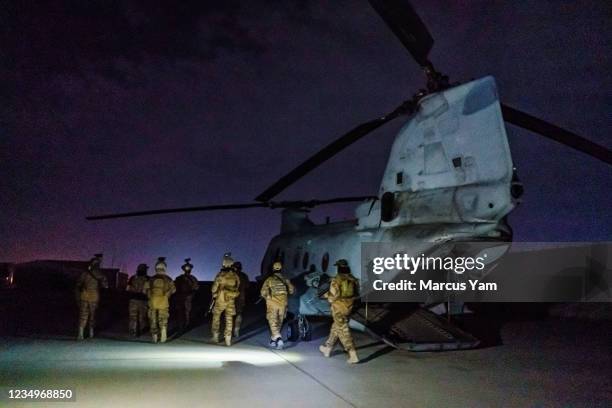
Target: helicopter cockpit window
[
  {"x": 325, "y": 262},
  {"x": 305, "y": 260}
]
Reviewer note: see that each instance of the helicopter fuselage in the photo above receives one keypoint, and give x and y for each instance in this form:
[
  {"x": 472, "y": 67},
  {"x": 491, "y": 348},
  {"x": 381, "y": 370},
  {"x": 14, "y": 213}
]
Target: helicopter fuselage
[
  {"x": 310, "y": 253},
  {"x": 449, "y": 178}
]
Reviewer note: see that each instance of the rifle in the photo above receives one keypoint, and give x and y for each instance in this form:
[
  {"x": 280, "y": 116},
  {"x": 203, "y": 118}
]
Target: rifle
[
  {"x": 211, "y": 306},
  {"x": 323, "y": 289}
]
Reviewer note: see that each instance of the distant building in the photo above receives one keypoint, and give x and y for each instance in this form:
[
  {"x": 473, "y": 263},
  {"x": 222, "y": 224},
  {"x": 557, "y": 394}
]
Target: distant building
[{"x": 60, "y": 274}]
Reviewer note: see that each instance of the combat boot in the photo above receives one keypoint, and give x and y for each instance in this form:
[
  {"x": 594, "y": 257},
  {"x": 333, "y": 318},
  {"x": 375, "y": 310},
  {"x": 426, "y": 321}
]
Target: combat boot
[
  {"x": 163, "y": 336},
  {"x": 325, "y": 349},
  {"x": 154, "y": 338},
  {"x": 228, "y": 340},
  {"x": 80, "y": 336},
  {"x": 91, "y": 333},
  {"x": 353, "y": 359},
  {"x": 214, "y": 338}
]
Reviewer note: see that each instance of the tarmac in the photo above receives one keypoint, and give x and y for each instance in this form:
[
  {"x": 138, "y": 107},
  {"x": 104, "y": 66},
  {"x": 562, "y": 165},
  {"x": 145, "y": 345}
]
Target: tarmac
[{"x": 540, "y": 364}]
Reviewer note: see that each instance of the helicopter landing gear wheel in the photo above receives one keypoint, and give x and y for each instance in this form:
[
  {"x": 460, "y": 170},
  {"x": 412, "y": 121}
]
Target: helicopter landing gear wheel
[
  {"x": 293, "y": 332},
  {"x": 304, "y": 328},
  {"x": 299, "y": 329}
]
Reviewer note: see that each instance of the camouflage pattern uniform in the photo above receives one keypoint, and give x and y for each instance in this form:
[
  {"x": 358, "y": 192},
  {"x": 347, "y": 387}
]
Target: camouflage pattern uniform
[
  {"x": 343, "y": 291},
  {"x": 88, "y": 294},
  {"x": 225, "y": 290},
  {"x": 241, "y": 299},
  {"x": 276, "y": 290},
  {"x": 159, "y": 289},
  {"x": 138, "y": 309},
  {"x": 186, "y": 286}
]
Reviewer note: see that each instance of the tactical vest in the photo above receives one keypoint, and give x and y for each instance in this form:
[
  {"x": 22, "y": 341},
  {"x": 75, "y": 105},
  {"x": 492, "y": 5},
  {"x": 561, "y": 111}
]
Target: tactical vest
[
  {"x": 278, "y": 287},
  {"x": 347, "y": 287},
  {"x": 159, "y": 286},
  {"x": 90, "y": 285},
  {"x": 228, "y": 285},
  {"x": 137, "y": 283},
  {"x": 184, "y": 285}
]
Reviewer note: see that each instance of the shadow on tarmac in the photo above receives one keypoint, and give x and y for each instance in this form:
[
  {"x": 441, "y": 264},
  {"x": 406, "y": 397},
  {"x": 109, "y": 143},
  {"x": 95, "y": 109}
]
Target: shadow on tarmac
[{"x": 379, "y": 353}]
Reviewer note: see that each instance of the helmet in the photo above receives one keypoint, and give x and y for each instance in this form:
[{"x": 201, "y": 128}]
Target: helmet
[
  {"x": 141, "y": 270},
  {"x": 342, "y": 262},
  {"x": 187, "y": 267},
  {"x": 237, "y": 265},
  {"x": 95, "y": 262},
  {"x": 343, "y": 266},
  {"x": 227, "y": 260},
  {"x": 277, "y": 266},
  {"x": 160, "y": 265}
]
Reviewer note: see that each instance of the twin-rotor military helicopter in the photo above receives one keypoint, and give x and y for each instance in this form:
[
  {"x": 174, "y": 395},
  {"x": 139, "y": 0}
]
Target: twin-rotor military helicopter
[{"x": 449, "y": 177}]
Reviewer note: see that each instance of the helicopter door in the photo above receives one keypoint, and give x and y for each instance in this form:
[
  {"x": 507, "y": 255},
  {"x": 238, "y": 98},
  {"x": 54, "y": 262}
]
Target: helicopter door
[{"x": 451, "y": 162}]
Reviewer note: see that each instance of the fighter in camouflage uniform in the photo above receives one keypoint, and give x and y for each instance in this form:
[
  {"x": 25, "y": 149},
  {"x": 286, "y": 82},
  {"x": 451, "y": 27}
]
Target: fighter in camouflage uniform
[
  {"x": 88, "y": 294},
  {"x": 241, "y": 299},
  {"x": 159, "y": 289},
  {"x": 276, "y": 290},
  {"x": 186, "y": 286},
  {"x": 225, "y": 290},
  {"x": 343, "y": 291},
  {"x": 138, "y": 309}
]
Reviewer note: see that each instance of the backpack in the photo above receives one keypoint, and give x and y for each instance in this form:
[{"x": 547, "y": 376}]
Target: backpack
[
  {"x": 347, "y": 288},
  {"x": 183, "y": 286},
  {"x": 137, "y": 285},
  {"x": 158, "y": 287},
  {"x": 230, "y": 286}
]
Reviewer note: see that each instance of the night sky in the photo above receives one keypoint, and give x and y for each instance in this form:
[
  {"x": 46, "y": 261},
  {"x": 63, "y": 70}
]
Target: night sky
[{"x": 119, "y": 106}]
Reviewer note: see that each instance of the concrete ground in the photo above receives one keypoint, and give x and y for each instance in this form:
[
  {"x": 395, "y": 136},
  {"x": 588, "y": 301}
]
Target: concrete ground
[{"x": 540, "y": 364}]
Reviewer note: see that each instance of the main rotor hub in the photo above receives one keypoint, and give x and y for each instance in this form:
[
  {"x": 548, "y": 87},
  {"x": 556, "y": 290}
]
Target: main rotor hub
[{"x": 436, "y": 81}]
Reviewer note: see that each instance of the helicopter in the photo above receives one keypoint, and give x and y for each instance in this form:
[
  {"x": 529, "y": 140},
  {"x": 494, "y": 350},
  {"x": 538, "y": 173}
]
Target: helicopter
[{"x": 449, "y": 179}]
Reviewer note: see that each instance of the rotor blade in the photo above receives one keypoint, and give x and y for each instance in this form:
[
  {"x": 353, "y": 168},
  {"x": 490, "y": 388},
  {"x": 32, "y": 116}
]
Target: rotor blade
[
  {"x": 332, "y": 149},
  {"x": 406, "y": 24},
  {"x": 177, "y": 210},
  {"x": 344, "y": 200},
  {"x": 316, "y": 202},
  {"x": 281, "y": 204},
  {"x": 565, "y": 137}
]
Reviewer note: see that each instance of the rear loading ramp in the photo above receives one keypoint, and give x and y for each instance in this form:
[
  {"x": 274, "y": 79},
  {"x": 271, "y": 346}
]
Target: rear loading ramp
[{"x": 413, "y": 329}]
